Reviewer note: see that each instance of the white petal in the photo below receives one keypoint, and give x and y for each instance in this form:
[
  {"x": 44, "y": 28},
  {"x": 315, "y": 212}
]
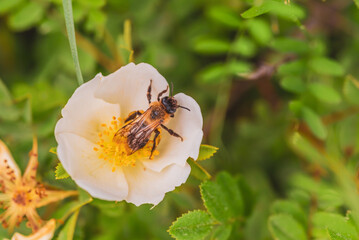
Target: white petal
[
  {"x": 147, "y": 186},
  {"x": 188, "y": 124},
  {"x": 6, "y": 155},
  {"x": 88, "y": 171},
  {"x": 83, "y": 114},
  {"x": 128, "y": 87}
]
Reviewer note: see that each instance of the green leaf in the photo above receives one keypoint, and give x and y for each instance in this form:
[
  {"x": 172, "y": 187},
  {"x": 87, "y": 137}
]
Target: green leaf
[
  {"x": 260, "y": 30},
  {"x": 324, "y": 93},
  {"x": 211, "y": 46},
  {"x": 92, "y": 3},
  {"x": 258, "y": 10},
  {"x": 351, "y": 90},
  {"x": 314, "y": 123},
  {"x": 338, "y": 226},
  {"x": 304, "y": 148},
  {"x": 356, "y": 3},
  {"x": 292, "y": 68},
  {"x": 70, "y": 28},
  {"x": 222, "y": 198},
  {"x": 244, "y": 47},
  {"x": 290, "y": 208},
  {"x": 285, "y": 227},
  {"x": 68, "y": 230},
  {"x": 53, "y": 150},
  {"x": 27, "y": 111},
  {"x": 5, "y": 95},
  {"x": 197, "y": 170},
  {"x": 67, "y": 209},
  {"x": 192, "y": 226},
  {"x": 213, "y": 73},
  {"x": 60, "y": 172},
  {"x": 327, "y": 196},
  {"x": 225, "y": 16},
  {"x": 206, "y": 151},
  {"x": 287, "y": 11},
  {"x": 293, "y": 84},
  {"x": 27, "y": 16},
  {"x": 290, "y": 45},
  {"x": 326, "y": 66},
  {"x": 222, "y": 232},
  {"x": 237, "y": 67},
  {"x": 8, "y": 5}
]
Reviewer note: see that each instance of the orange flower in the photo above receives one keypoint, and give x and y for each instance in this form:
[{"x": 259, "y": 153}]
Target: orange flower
[
  {"x": 45, "y": 233},
  {"x": 21, "y": 195}
]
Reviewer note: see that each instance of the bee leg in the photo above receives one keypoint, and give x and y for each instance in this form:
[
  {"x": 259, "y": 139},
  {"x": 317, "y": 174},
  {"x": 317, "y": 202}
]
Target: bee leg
[
  {"x": 157, "y": 132},
  {"x": 133, "y": 115},
  {"x": 161, "y": 93},
  {"x": 171, "y": 132},
  {"x": 149, "y": 92}
]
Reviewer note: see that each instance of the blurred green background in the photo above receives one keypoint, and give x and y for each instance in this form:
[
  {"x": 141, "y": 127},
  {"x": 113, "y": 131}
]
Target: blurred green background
[{"x": 276, "y": 82}]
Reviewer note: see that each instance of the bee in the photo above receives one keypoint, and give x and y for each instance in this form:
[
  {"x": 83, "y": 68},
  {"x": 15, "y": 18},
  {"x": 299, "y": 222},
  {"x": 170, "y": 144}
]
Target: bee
[{"x": 140, "y": 125}]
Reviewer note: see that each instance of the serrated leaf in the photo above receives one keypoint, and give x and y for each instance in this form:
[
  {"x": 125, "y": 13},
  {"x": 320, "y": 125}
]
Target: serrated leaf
[
  {"x": 206, "y": 151},
  {"x": 27, "y": 16},
  {"x": 326, "y": 66},
  {"x": 60, "y": 172},
  {"x": 68, "y": 230},
  {"x": 192, "y": 226},
  {"x": 197, "y": 170},
  {"x": 351, "y": 89},
  {"x": 337, "y": 226},
  {"x": 285, "y": 227},
  {"x": 324, "y": 93},
  {"x": 222, "y": 198},
  {"x": 225, "y": 16}
]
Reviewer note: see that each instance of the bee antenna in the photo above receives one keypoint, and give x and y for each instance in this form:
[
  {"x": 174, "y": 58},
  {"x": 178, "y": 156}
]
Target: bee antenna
[
  {"x": 171, "y": 93},
  {"x": 183, "y": 107}
]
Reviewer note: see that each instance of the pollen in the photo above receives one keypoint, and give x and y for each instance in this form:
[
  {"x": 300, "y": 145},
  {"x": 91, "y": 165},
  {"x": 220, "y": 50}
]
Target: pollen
[{"x": 117, "y": 153}]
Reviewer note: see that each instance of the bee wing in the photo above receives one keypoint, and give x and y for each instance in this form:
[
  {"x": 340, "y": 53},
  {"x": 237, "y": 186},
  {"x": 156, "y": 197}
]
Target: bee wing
[
  {"x": 139, "y": 137},
  {"x": 138, "y": 131}
]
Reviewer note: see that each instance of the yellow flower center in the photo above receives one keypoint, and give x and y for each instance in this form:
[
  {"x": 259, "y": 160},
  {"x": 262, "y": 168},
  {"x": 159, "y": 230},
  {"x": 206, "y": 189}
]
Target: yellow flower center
[{"x": 116, "y": 153}]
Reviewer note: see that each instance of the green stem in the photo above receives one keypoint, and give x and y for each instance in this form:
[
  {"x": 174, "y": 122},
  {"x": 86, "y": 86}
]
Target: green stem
[{"x": 70, "y": 28}]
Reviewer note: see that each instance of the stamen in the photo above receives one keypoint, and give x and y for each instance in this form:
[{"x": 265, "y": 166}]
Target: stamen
[{"x": 118, "y": 153}]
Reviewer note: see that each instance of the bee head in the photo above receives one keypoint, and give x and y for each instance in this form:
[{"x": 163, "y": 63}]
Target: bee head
[{"x": 171, "y": 105}]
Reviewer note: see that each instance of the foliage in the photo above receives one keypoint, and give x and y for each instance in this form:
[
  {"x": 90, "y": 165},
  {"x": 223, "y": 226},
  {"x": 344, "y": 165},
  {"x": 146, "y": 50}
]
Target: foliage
[{"x": 277, "y": 82}]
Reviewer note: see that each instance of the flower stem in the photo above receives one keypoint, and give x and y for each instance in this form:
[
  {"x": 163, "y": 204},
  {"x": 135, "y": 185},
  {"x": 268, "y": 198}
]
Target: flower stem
[{"x": 70, "y": 28}]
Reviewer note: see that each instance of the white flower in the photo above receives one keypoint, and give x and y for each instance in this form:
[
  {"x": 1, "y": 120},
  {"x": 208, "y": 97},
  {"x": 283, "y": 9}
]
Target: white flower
[{"x": 100, "y": 165}]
